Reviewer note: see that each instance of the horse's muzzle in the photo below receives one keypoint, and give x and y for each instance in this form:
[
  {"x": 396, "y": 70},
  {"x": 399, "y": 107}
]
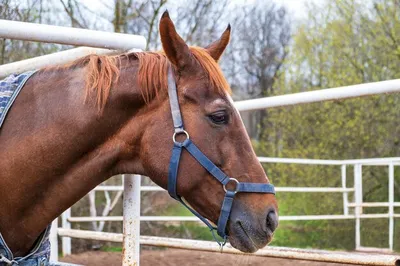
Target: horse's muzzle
[{"x": 249, "y": 233}]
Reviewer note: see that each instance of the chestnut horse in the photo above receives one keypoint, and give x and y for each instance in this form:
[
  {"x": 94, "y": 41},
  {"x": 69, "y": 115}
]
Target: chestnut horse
[{"x": 74, "y": 126}]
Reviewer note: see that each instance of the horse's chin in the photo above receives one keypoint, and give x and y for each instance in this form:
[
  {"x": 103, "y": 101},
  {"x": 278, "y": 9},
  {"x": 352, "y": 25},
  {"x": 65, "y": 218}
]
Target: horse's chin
[{"x": 246, "y": 240}]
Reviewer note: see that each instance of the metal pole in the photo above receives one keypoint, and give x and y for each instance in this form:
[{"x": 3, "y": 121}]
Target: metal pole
[
  {"x": 391, "y": 205},
  {"x": 345, "y": 92},
  {"x": 358, "y": 201},
  {"x": 345, "y": 194},
  {"x": 53, "y": 59},
  {"x": 54, "y": 241},
  {"x": 71, "y": 36},
  {"x": 66, "y": 241},
  {"x": 279, "y": 252},
  {"x": 131, "y": 246}
]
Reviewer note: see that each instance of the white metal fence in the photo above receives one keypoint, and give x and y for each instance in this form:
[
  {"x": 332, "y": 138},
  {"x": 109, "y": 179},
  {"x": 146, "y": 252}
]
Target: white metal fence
[{"x": 352, "y": 209}]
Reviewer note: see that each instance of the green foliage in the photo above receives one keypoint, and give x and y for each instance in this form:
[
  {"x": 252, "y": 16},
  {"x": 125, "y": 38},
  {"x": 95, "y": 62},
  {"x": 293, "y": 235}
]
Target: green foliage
[
  {"x": 315, "y": 234},
  {"x": 176, "y": 210},
  {"x": 111, "y": 249},
  {"x": 343, "y": 42}
]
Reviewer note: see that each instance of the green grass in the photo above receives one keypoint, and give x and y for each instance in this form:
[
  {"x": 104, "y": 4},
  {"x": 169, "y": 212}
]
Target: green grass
[
  {"x": 176, "y": 210},
  {"x": 315, "y": 234},
  {"x": 111, "y": 249}
]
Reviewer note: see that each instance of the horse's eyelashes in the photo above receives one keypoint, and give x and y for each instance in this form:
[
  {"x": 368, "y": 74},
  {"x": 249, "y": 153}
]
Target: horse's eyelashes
[{"x": 219, "y": 118}]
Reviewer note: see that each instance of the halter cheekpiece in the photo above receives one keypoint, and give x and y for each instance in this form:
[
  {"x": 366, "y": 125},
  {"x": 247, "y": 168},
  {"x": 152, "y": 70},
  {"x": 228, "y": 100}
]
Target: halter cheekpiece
[{"x": 208, "y": 165}]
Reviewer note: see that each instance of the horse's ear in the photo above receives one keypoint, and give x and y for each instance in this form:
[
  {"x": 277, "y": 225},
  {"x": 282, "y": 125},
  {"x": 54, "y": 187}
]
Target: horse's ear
[
  {"x": 174, "y": 46},
  {"x": 217, "y": 48}
]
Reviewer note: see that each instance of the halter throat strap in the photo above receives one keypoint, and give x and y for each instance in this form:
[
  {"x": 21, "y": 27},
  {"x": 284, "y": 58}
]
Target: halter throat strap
[{"x": 202, "y": 159}]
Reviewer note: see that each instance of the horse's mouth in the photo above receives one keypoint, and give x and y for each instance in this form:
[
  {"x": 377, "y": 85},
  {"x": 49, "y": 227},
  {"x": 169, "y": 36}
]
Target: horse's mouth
[
  {"x": 253, "y": 245},
  {"x": 242, "y": 239}
]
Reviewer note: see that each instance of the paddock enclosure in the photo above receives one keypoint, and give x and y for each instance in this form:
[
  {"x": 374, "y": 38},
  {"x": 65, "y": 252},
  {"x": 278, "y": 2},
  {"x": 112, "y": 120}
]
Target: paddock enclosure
[{"x": 110, "y": 43}]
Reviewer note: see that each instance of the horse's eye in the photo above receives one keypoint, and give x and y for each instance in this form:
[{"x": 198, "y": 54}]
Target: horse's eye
[{"x": 219, "y": 118}]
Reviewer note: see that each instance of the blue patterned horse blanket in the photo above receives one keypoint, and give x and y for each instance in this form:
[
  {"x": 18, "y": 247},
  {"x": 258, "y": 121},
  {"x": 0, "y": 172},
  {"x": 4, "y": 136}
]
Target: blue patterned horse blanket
[
  {"x": 39, "y": 256},
  {"x": 9, "y": 90}
]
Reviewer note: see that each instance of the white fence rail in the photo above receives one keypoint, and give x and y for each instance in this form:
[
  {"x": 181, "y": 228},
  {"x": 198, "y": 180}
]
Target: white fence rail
[
  {"x": 366, "y": 89},
  {"x": 53, "y": 59},
  {"x": 72, "y": 36},
  {"x": 277, "y": 252}
]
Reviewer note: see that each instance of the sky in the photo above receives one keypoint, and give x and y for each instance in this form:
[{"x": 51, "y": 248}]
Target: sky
[{"x": 297, "y": 7}]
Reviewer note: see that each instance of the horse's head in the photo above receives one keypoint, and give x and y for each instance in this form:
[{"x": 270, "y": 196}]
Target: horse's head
[{"x": 215, "y": 126}]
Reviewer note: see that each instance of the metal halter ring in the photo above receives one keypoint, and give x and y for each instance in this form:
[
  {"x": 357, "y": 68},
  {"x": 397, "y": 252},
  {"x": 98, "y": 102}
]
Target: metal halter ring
[
  {"x": 180, "y": 132},
  {"x": 236, "y": 187}
]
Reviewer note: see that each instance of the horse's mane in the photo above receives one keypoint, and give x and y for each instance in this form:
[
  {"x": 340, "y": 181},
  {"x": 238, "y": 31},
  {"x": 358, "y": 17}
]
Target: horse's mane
[{"x": 102, "y": 71}]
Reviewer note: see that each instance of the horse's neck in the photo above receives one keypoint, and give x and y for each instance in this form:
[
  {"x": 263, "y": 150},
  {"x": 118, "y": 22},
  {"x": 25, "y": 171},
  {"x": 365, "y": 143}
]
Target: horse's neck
[{"x": 55, "y": 149}]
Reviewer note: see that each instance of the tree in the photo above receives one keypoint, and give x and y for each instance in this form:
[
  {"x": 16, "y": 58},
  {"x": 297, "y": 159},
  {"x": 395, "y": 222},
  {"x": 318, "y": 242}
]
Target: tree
[
  {"x": 342, "y": 42},
  {"x": 256, "y": 55}
]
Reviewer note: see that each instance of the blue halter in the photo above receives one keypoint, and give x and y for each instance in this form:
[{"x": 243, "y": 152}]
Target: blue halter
[{"x": 208, "y": 165}]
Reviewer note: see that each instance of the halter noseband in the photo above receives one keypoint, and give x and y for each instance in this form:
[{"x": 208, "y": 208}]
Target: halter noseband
[{"x": 208, "y": 165}]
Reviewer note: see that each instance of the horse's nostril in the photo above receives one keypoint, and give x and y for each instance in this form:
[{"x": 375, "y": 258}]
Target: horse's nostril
[{"x": 272, "y": 221}]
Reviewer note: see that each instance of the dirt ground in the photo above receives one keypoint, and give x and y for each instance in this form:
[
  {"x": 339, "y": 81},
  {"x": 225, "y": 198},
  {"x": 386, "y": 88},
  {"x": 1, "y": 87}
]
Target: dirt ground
[{"x": 172, "y": 257}]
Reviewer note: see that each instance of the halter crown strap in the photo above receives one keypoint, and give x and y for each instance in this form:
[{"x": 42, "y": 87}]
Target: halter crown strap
[
  {"x": 208, "y": 165},
  {"x": 174, "y": 103}
]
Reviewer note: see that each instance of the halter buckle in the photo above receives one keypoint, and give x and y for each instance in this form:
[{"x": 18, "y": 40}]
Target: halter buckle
[
  {"x": 178, "y": 133},
  {"x": 236, "y": 186}
]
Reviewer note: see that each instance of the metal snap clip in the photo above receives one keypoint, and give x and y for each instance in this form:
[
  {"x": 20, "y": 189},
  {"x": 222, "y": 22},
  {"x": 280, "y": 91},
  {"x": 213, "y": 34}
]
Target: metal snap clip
[{"x": 43, "y": 262}]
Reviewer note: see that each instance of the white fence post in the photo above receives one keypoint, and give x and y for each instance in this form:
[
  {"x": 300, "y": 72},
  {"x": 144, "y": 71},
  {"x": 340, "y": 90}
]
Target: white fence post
[
  {"x": 345, "y": 194},
  {"x": 53, "y": 237},
  {"x": 66, "y": 241},
  {"x": 131, "y": 225},
  {"x": 391, "y": 205},
  {"x": 358, "y": 200}
]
